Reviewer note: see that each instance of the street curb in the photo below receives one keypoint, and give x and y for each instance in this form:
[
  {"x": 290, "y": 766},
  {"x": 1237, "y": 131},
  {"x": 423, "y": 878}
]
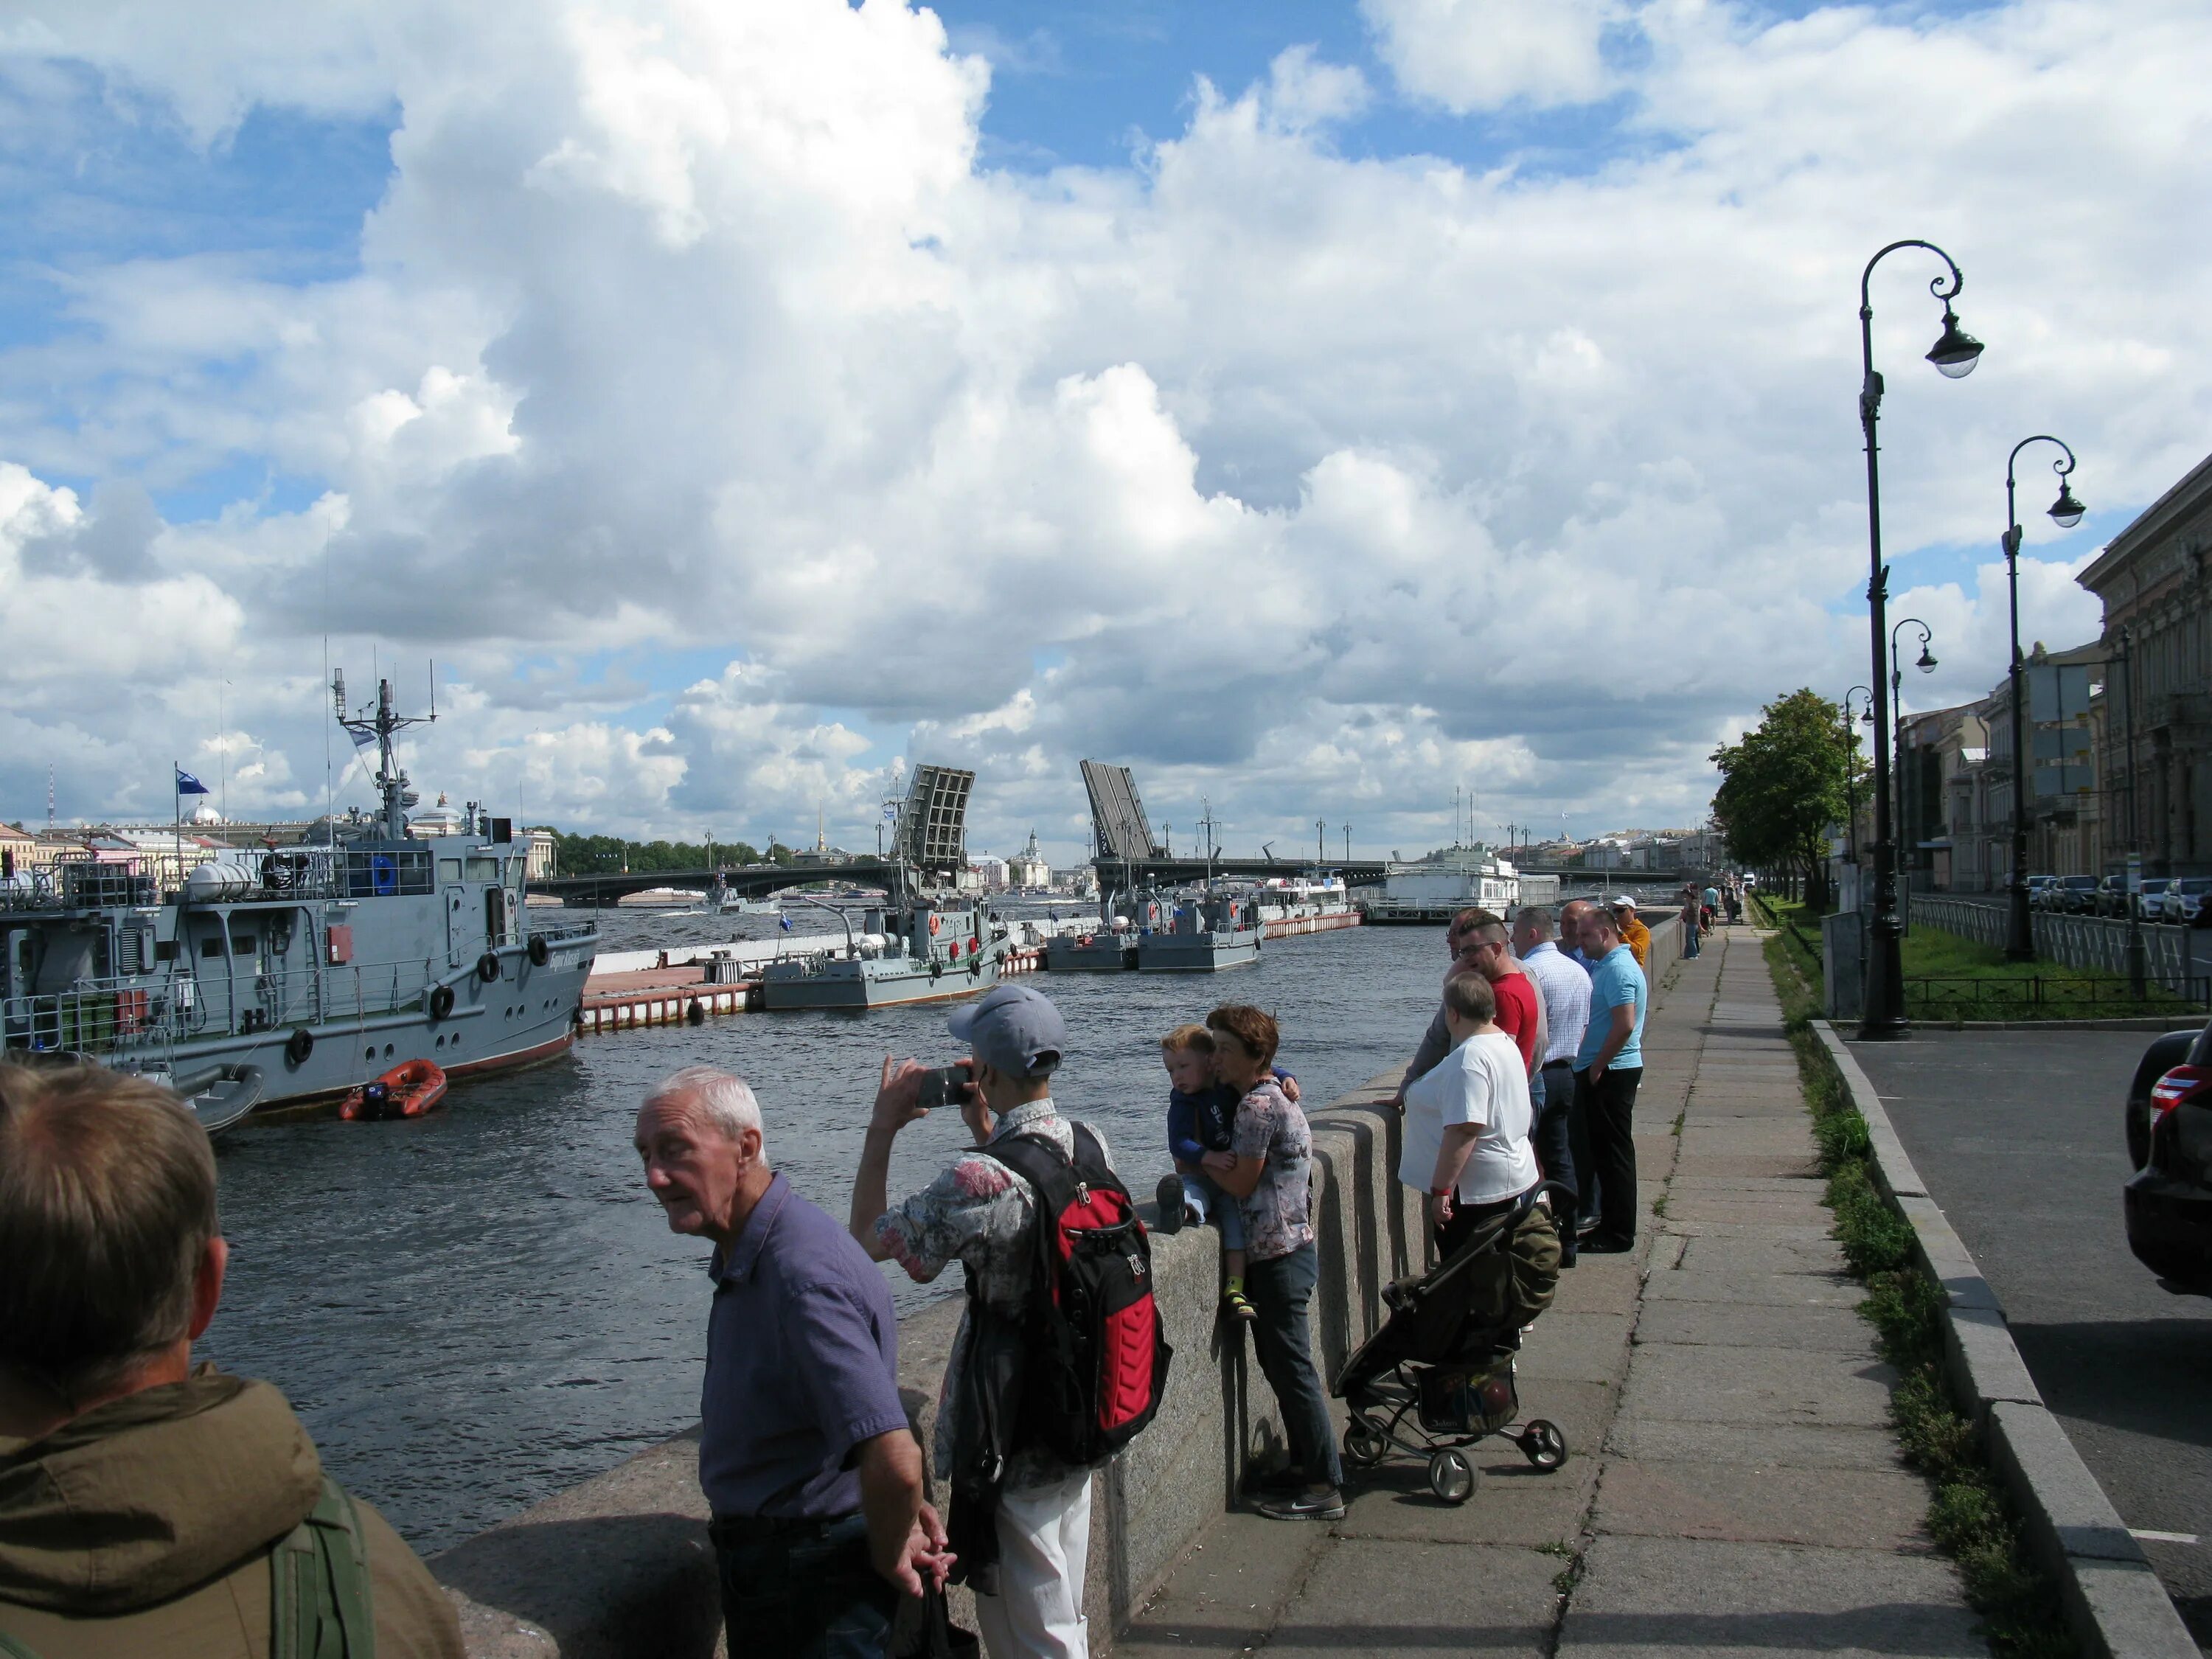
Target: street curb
[{"x": 2114, "y": 1602}]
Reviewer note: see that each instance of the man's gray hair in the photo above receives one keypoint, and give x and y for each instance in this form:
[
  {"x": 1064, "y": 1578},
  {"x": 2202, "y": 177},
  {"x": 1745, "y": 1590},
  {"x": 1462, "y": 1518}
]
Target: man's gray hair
[
  {"x": 1536, "y": 918},
  {"x": 728, "y": 1101}
]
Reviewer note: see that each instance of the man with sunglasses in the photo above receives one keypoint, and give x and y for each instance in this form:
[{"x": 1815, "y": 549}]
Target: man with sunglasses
[{"x": 1477, "y": 940}]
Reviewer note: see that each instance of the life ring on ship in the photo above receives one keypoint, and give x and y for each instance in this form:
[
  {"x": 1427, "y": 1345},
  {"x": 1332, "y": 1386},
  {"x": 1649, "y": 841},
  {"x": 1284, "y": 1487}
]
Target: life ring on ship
[
  {"x": 488, "y": 966},
  {"x": 441, "y": 1002},
  {"x": 540, "y": 951},
  {"x": 933, "y": 920},
  {"x": 299, "y": 1046}
]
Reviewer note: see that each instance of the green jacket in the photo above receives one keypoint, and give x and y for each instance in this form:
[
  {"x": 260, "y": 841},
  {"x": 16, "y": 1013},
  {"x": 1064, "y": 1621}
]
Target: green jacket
[{"x": 145, "y": 1527}]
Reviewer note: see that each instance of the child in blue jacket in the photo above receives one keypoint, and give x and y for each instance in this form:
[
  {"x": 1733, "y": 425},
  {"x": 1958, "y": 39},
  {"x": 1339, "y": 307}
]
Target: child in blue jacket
[{"x": 1202, "y": 1111}]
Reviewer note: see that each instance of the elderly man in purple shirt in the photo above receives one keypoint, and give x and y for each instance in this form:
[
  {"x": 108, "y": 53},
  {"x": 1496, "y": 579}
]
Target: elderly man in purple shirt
[{"x": 805, "y": 1456}]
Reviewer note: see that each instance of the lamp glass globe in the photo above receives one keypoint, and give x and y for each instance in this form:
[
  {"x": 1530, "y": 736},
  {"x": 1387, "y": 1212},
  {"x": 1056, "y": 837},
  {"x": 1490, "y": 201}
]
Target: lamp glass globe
[{"x": 2066, "y": 512}]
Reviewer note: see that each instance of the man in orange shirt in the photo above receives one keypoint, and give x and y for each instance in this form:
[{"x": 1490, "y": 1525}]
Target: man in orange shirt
[{"x": 1633, "y": 933}]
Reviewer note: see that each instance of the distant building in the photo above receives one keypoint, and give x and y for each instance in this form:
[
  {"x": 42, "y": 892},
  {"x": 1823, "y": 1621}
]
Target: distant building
[
  {"x": 544, "y": 860},
  {"x": 1027, "y": 868},
  {"x": 2154, "y": 581},
  {"x": 989, "y": 872},
  {"x": 439, "y": 820}
]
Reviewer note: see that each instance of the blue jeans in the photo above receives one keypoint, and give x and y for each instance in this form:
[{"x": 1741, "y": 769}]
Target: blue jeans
[
  {"x": 1279, "y": 1289},
  {"x": 1203, "y": 1195},
  {"x": 806, "y": 1596}
]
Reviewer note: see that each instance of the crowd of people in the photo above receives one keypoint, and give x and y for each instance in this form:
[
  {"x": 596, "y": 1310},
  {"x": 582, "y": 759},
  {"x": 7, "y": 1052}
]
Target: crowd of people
[{"x": 1522, "y": 1089}]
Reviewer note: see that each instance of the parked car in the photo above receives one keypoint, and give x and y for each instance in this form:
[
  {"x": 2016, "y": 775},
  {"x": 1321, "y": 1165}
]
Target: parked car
[
  {"x": 2167, "y": 1202},
  {"x": 2188, "y": 901},
  {"x": 2039, "y": 891},
  {"x": 2150, "y": 900},
  {"x": 2112, "y": 897},
  {"x": 2076, "y": 895}
]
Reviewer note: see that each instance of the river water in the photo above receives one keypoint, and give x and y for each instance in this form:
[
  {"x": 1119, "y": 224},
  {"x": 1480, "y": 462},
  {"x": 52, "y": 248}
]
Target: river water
[{"x": 475, "y": 1309}]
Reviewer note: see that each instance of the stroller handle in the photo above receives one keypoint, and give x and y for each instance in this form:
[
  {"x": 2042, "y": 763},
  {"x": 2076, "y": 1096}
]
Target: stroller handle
[{"x": 1481, "y": 1245}]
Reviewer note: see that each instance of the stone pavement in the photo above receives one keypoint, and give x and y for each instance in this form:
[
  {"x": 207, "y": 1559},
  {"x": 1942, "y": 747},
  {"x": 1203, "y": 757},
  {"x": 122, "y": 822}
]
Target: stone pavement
[{"x": 1733, "y": 1485}]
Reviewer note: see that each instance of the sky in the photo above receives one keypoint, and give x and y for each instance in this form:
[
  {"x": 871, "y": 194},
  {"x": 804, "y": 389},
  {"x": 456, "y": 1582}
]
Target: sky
[{"x": 1323, "y": 409}]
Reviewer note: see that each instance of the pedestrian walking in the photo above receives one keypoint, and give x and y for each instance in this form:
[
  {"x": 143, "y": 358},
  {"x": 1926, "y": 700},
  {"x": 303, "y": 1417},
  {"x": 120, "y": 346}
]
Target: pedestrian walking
[
  {"x": 1565, "y": 987},
  {"x": 811, "y": 1471},
  {"x": 1691, "y": 927},
  {"x": 148, "y": 1506},
  {"x": 1269, "y": 1169},
  {"x": 1608, "y": 1069},
  {"x": 1021, "y": 1503}
]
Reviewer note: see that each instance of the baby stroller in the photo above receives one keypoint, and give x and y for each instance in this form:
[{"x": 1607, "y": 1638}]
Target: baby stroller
[{"x": 1439, "y": 1375}]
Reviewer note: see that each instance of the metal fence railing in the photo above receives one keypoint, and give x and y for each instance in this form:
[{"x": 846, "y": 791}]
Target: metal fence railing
[
  {"x": 2171, "y": 956},
  {"x": 2049, "y": 996}
]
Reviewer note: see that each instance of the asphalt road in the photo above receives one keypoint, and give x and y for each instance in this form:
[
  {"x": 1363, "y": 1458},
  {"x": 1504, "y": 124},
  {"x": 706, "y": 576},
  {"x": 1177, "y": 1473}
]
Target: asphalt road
[{"x": 2018, "y": 1137}]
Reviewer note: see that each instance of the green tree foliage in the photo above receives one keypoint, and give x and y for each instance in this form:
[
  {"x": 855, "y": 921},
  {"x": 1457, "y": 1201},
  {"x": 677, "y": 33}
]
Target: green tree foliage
[
  {"x": 585, "y": 855},
  {"x": 1782, "y": 787}
]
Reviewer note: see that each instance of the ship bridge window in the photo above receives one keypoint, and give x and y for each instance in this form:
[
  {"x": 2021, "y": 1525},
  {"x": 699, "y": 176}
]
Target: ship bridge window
[
  {"x": 483, "y": 869},
  {"x": 243, "y": 945},
  {"x": 212, "y": 946},
  {"x": 449, "y": 870}
]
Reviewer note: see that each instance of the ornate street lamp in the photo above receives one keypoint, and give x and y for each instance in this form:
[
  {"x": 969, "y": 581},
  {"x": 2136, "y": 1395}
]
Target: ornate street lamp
[
  {"x": 1954, "y": 354},
  {"x": 1851, "y": 769},
  {"x": 1926, "y": 664},
  {"x": 2065, "y": 513}
]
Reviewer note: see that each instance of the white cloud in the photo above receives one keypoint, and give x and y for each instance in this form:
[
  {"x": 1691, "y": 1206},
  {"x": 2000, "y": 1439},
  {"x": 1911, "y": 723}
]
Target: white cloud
[
  {"x": 1467, "y": 55},
  {"x": 694, "y": 348}
]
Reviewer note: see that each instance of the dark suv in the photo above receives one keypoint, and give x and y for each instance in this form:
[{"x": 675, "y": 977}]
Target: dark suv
[{"x": 2168, "y": 1202}]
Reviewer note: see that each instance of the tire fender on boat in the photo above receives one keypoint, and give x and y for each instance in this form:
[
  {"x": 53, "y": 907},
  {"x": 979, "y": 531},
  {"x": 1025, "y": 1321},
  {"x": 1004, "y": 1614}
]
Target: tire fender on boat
[
  {"x": 540, "y": 951},
  {"x": 442, "y": 1002},
  {"x": 299, "y": 1045},
  {"x": 488, "y": 966}
]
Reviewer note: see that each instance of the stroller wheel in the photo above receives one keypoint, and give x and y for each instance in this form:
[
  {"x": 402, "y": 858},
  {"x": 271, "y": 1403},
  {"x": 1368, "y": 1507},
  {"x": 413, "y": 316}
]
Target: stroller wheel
[
  {"x": 1542, "y": 1444},
  {"x": 1451, "y": 1477},
  {"x": 1363, "y": 1446}
]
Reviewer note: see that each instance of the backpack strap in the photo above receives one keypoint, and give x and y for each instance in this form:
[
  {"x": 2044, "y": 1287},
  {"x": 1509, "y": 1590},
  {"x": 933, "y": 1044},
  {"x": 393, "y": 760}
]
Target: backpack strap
[{"x": 318, "y": 1585}]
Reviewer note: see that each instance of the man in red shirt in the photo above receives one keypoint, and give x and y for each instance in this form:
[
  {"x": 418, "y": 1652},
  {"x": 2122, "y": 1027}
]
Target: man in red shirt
[{"x": 1476, "y": 940}]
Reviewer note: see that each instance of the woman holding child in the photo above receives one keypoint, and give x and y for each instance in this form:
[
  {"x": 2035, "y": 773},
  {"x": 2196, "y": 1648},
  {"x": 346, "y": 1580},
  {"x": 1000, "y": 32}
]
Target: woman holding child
[{"x": 1258, "y": 1185}]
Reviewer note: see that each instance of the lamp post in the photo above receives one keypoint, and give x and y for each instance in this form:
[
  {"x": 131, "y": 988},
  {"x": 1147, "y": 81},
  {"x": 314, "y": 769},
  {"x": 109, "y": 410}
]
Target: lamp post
[
  {"x": 1954, "y": 354},
  {"x": 2134, "y": 833},
  {"x": 1926, "y": 664},
  {"x": 1851, "y": 770},
  {"x": 2066, "y": 513}
]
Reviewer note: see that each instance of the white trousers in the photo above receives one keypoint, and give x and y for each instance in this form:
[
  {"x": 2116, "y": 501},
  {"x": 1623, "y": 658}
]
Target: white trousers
[{"x": 1044, "y": 1545}]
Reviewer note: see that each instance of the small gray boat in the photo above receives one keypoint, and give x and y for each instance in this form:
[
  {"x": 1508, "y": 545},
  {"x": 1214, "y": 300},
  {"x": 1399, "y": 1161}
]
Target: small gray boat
[
  {"x": 1111, "y": 947},
  {"x": 923, "y": 944},
  {"x": 1204, "y": 930},
  {"x": 277, "y": 977}
]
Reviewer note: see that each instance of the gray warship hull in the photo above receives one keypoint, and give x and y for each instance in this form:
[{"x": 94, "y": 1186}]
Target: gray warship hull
[
  {"x": 1204, "y": 934},
  {"x": 918, "y": 952},
  {"x": 277, "y": 978},
  {"x": 1101, "y": 953}
]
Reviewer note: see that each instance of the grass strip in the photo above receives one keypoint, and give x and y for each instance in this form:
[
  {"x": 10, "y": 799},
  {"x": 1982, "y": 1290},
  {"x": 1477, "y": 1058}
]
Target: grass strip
[{"x": 1969, "y": 1515}]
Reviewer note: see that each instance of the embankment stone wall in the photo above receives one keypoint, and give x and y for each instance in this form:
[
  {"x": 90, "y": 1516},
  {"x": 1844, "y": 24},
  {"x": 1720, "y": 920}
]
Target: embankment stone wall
[{"x": 619, "y": 1566}]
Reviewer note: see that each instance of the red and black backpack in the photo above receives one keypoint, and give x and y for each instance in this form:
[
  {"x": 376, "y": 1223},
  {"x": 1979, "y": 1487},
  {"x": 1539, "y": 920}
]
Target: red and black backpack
[{"x": 1095, "y": 1356}]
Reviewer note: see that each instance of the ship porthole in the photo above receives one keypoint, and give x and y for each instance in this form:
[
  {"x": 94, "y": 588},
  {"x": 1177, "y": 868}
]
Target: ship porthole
[
  {"x": 387, "y": 1051},
  {"x": 369, "y": 1053}
]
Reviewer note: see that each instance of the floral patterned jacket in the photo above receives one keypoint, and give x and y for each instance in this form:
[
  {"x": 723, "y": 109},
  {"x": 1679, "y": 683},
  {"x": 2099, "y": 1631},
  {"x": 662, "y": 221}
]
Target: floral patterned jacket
[
  {"x": 980, "y": 1214},
  {"x": 1270, "y": 1126}
]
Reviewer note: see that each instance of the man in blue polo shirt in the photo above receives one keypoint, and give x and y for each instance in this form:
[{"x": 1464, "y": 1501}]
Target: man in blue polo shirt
[
  {"x": 804, "y": 1453},
  {"x": 1608, "y": 1067}
]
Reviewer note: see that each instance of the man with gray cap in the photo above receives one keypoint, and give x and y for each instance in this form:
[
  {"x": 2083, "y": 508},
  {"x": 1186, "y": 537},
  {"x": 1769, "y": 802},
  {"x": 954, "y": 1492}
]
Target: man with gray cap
[{"x": 980, "y": 1214}]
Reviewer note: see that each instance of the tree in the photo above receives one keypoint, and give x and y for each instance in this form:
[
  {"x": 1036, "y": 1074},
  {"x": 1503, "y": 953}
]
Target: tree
[{"x": 1782, "y": 787}]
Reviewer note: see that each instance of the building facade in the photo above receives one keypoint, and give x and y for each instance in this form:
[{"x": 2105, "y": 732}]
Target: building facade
[{"x": 2152, "y": 581}]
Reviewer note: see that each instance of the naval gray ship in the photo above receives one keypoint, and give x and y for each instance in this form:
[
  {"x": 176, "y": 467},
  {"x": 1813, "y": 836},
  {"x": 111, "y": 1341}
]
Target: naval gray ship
[
  {"x": 279, "y": 977},
  {"x": 1208, "y": 929},
  {"x": 1112, "y": 945},
  {"x": 923, "y": 944}
]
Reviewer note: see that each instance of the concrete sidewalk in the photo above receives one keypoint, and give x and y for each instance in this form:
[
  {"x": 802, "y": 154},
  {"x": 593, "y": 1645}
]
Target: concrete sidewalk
[{"x": 1732, "y": 1485}]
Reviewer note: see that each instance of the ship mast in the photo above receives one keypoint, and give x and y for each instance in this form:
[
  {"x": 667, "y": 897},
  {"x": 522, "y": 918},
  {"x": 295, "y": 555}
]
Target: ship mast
[{"x": 380, "y": 728}]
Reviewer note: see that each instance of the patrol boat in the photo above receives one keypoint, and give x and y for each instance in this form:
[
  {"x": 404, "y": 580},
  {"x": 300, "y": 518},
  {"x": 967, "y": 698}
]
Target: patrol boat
[
  {"x": 1211, "y": 928},
  {"x": 273, "y": 978},
  {"x": 922, "y": 945},
  {"x": 1111, "y": 946}
]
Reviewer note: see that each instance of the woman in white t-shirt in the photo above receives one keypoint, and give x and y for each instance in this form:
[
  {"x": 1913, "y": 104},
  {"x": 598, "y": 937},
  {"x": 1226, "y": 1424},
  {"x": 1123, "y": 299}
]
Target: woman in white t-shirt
[{"x": 1466, "y": 1121}]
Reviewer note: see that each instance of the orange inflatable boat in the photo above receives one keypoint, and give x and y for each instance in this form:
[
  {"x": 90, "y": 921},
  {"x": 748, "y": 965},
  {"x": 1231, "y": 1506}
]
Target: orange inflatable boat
[{"x": 408, "y": 1089}]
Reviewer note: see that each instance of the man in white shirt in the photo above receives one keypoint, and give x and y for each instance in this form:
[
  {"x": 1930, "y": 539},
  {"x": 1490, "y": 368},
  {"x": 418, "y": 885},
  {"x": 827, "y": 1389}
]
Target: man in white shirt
[
  {"x": 1564, "y": 987},
  {"x": 1467, "y": 1144}
]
